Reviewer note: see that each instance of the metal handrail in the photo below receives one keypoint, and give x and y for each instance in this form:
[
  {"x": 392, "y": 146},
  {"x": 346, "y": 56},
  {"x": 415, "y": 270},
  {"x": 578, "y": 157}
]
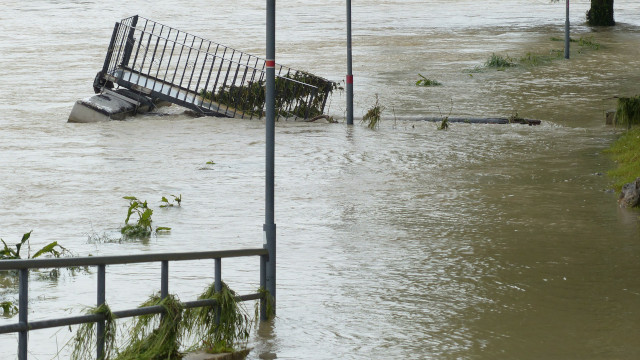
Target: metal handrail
[{"x": 24, "y": 265}]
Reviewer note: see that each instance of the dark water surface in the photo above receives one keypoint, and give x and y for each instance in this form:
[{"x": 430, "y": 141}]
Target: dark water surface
[{"x": 483, "y": 241}]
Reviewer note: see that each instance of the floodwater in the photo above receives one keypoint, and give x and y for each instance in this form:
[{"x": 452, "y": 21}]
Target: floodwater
[{"x": 481, "y": 242}]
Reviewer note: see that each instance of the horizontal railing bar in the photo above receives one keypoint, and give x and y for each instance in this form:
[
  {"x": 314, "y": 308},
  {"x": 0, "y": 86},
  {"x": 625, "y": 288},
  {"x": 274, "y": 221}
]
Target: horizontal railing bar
[
  {"x": 126, "y": 259},
  {"x": 83, "y": 319}
]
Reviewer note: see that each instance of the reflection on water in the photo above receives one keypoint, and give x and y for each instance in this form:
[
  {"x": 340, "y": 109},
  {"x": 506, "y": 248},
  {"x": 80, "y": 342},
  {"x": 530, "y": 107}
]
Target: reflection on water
[{"x": 408, "y": 242}]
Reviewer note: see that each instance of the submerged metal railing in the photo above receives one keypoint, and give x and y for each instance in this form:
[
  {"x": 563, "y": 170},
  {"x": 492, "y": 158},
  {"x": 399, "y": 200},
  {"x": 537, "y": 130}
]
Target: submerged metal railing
[
  {"x": 172, "y": 65},
  {"x": 23, "y": 266}
]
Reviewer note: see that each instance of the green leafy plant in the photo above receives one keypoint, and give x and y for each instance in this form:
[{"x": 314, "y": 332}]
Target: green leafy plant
[
  {"x": 168, "y": 203},
  {"x": 220, "y": 328},
  {"x": 84, "y": 342},
  {"x": 142, "y": 228},
  {"x": 515, "y": 118},
  {"x": 372, "y": 117},
  {"x": 423, "y": 81},
  {"x": 53, "y": 249}
]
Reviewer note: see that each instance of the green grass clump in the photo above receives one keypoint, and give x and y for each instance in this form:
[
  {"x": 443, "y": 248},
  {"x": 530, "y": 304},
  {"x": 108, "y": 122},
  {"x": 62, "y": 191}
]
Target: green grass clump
[
  {"x": 142, "y": 228},
  {"x": 427, "y": 82},
  {"x": 626, "y": 153},
  {"x": 628, "y": 111},
  {"x": 8, "y": 308},
  {"x": 499, "y": 62},
  {"x": 589, "y": 42}
]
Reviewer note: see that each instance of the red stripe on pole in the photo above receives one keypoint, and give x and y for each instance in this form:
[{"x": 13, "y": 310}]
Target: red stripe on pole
[
  {"x": 271, "y": 63},
  {"x": 349, "y": 79}
]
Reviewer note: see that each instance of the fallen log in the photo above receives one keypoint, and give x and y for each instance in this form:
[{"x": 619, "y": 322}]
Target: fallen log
[{"x": 496, "y": 120}]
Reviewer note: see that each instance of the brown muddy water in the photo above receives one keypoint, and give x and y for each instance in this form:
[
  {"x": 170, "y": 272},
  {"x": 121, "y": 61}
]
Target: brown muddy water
[{"x": 480, "y": 242}]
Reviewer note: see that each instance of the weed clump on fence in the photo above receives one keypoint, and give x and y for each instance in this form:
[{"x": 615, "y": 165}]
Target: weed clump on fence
[
  {"x": 298, "y": 94},
  {"x": 85, "y": 339},
  {"x": 220, "y": 328},
  {"x": 156, "y": 336}
]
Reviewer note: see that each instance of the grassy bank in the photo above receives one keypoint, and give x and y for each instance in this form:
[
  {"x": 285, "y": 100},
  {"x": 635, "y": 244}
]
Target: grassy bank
[{"x": 626, "y": 153}]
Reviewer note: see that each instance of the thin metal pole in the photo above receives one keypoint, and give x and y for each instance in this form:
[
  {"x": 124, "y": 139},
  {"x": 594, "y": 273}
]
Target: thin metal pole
[
  {"x": 269, "y": 227},
  {"x": 567, "y": 39},
  {"x": 23, "y": 312},
  {"x": 100, "y": 326},
  {"x": 263, "y": 285},
  {"x": 164, "y": 279},
  {"x": 218, "y": 276},
  {"x": 349, "y": 68}
]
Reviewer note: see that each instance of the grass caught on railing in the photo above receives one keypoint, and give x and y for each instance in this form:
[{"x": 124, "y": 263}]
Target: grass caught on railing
[
  {"x": 220, "y": 328},
  {"x": 155, "y": 336},
  {"x": 85, "y": 340}
]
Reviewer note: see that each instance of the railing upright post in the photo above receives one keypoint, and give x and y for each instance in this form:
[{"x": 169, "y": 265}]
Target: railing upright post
[
  {"x": 164, "y": 279},
  {"x": 23, "y": 313},
  {"x": 218, "y": 278},
  {"x": 128, "y": 47},
  {"x": 107, "y": 59},
  {"x": 100, "y": 326},
  {"x": 263, "y": 285},
  {"x": 349, "y": 79},
  {"x": 567, "y": 39}
]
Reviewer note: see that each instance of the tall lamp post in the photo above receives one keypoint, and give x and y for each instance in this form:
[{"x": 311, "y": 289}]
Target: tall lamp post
[
  {"x": 567, "y": 40},
  {"x": 269, "y": 227},
  {"x": 349, "y": 69}
]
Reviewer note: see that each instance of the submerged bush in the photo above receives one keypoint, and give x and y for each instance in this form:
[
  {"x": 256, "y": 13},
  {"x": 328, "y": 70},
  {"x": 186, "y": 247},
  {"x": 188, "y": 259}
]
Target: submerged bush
[
  {"x": 499, "y": 61},
  {"x": 628, "y": 111}
]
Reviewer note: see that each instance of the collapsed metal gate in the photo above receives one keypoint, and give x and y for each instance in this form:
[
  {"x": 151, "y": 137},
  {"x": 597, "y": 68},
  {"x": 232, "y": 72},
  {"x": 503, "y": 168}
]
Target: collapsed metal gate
[{"x": 164, "y": 63}]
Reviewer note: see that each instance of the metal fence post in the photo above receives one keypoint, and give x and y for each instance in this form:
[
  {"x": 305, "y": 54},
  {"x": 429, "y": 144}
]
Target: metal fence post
[
  {"x": 100, "y": 326},
  {"x": 263, "y": 285},
  {"x": 23, "y": 312},
  {"x": 269, "y": 227},
  {"x": 164, "y": 279},
  {"x": 128, "y": 48},
  {"x": 349, "y": 79},
  {"x": 567, "y": 39}
]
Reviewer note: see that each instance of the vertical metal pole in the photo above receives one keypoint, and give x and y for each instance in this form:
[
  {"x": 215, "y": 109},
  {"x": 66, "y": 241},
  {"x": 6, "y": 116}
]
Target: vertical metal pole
[
  {"x": 263, "y": 285},
  {"x": 107, "y": 59},
  {"x": 23, "y": 312},
  {"x": 218, "y": 278},
  {"x": 567, "y": 39},
  {"x": 349, "y": 68},
  {"x": 269, "y": 227},
  {"x": 100, "y": 326},
  {"x": 164, "y": 279},
  {"x": 128, "y": 47}
]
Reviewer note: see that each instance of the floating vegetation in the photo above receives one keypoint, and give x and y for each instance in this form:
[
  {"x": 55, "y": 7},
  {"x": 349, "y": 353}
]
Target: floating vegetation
[
  {"x": 589, "y": 42},
  {"x": 426, "y": 82},
  {"x": 268, "y": 302},
  {"x": 628, "y": 111},
  {"x": 220, "y": 328},
  {"x": 142, "y": 228},
  {"x": 85, "y": 340},
  {"x": 444, "y": 124},
  {"x": 372, "y": 117},
  {"x": 626, "y": 153},
  {"x": 176, "y": 201},
  {"x": 515, "y": 118},
  {"x": 499, "y": 62},
  {"x": 8, "y": 308},
  {"x": 531, "y": 59}
]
